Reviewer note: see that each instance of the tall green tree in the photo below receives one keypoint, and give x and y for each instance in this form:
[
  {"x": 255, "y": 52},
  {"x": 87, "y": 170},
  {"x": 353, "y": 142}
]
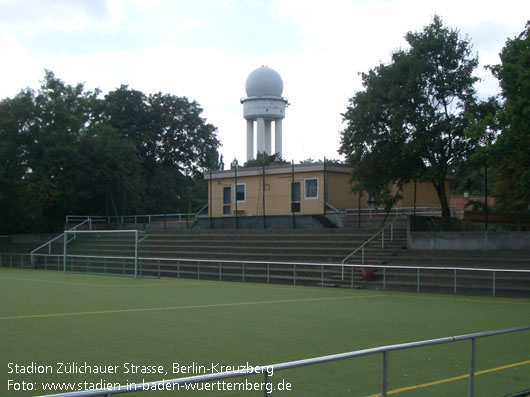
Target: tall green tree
[
  {"x": 65, "y": 150},
  {"x": 264, "y": 159},
  {"x": 62, "y": 113},
  {"x": 16, "y": 117},
  {"x": 174, "y": 144},
  {"x": 511, "y": 152},
  {"x": 411, "y": 116}
]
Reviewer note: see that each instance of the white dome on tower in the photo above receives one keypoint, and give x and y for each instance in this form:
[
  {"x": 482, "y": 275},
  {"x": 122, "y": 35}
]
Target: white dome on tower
[
  {"x": 264, "y": 81},
  {"x": 263, "y": 106}
]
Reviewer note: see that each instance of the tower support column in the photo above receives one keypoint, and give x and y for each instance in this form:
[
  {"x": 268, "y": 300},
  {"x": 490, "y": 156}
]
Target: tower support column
[
  {"x": 261, "y": 134},
  {"x": 250, "y": 140},
  {"x": 278, "y": 137},
  {"x": 268, "y": 137}
]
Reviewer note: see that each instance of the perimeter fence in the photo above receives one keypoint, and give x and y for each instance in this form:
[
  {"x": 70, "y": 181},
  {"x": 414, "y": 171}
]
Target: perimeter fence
[{"x": 452, "y": 280}]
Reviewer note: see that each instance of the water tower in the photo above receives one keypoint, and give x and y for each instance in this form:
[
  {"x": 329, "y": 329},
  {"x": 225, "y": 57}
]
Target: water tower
[{"x": 264, "y": 104}]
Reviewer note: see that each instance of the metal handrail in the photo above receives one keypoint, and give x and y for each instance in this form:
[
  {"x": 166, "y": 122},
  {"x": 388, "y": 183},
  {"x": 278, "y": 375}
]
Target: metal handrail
[
  {"x": 268, "y": 370},
  {"x": 292, "y": 267},
  {"x": 331, "y": 207},
  {"x": 195, "y": 260},
  {"x": 197, "y": 214},
  {"x": 395, "y": 211},
  {"x": 49, "y": 243},
  {"x": 122, "y": 218},
  {"x": 382, "y": 231}
]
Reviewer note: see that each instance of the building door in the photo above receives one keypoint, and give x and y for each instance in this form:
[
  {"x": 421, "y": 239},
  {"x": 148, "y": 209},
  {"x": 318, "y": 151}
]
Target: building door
[
  {"x": 227, "y": 200},
  {"x": 295, "y": 197}
]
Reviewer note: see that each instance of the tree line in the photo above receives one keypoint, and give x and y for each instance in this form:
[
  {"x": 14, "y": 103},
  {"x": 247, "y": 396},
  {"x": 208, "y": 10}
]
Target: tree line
[
  {"x": 419, "y": 117},
  {"x": 67, "y": 150}
]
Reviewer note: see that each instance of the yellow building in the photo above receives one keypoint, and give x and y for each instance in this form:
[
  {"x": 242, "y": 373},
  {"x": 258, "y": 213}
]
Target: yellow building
[{"x": 301, "y": 189}]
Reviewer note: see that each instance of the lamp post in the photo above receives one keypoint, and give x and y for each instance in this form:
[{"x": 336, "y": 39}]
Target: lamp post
[
  {"x": 234, "y": 165},
  {"x": 292, "y": 193},
  {"x": 210, "y": 206},
  {"x": 263, "y": 193}
]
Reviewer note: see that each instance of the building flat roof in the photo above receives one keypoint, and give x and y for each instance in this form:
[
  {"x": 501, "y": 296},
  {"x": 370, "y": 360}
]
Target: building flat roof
[{"x": 277, "y": 170}]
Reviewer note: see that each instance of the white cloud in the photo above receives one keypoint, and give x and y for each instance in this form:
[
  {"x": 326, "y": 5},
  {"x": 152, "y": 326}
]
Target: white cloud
[{"x": 56, "y": 15}]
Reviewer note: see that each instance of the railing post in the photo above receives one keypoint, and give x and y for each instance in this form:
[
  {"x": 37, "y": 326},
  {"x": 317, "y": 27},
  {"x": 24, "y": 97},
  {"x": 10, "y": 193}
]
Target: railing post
[
  {"x": 494, "y": 283},
  {"x": 472, "y": 369},
  {"x": 136, "y": 253},
  {"x": 268, "y": 273},
  {"x": 362, "y": 256},
  {"x": 392, "y": 232},
  {"x": 454, "y": 283},
  {"x": 384, "y": 380},
  {"x": 384, "y": 279},
  {"x": 418, "y": 282},
  {"x": 382, "y": 238},
  {"x": 267, "y": 391},
  {"x": 65, "y": 240}
]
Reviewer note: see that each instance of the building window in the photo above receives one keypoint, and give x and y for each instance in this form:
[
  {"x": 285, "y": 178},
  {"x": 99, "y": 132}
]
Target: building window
[
  {"x": 311, "y": 189},
  {"x": 241, "y": 192},
  {"x": 227, "y": 200}
]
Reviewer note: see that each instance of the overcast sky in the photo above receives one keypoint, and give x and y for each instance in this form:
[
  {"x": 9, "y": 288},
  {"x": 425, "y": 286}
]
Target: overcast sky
[{"x": 205, "y": 49}]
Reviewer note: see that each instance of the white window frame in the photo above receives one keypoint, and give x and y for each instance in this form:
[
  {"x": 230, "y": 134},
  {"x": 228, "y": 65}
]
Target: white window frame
[
  {"x": 244, "y": 192},
  {"x": 305, "y": 189}
]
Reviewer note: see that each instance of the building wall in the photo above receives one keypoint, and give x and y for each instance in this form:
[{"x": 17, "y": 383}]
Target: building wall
[
  {"x": 425, "y": 194},
  {"x": 339, "y": 193},
  {"x": 277, "y": 195}
]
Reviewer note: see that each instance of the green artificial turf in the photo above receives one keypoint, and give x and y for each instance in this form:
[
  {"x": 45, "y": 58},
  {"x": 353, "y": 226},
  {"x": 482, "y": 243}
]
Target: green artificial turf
[{"x": 47, "y": 317}]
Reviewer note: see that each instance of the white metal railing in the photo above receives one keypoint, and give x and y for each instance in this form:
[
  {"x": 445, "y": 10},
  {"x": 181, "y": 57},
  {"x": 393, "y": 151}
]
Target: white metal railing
[
  {"x": 269, "y": 272},
  {"x": 268, "y": 370},
  {"x": 380, "y": 231},
  {"x": 396, "y": 211},
  {"x": 147, "y": 218},
  {"x": 332, "y": 208},
  {"x": 198, "y": 213},
  {"x": 131, "y": 218}
]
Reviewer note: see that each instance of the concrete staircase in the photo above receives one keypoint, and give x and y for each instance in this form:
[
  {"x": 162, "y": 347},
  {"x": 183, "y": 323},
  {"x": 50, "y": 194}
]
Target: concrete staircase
[
  {"x": 316, "y": 246},
  {"x": 467, "y": 281},
  {"x": 287, "y": 245},
  {"x": 194, "y": 248}
]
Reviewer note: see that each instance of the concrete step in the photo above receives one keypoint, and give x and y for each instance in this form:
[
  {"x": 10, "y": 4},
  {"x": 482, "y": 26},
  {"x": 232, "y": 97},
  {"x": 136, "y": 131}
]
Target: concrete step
[
  {"x": 350, "y": 244},
  {"x": 261, "y": 256},
  {"x": 444, "y": 258}
]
